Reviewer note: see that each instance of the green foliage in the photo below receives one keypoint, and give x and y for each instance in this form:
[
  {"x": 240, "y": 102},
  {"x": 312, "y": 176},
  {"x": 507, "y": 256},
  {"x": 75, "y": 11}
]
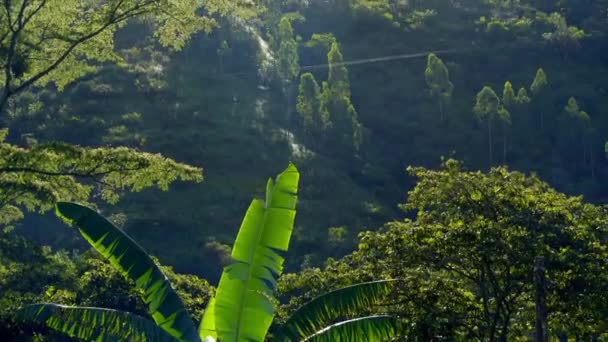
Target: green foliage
[
  {"x": 336, "y": 104},
  {"x": 325, "y": 40},
  {"x": 466, "y": 262},
  {"x": 563, "y": 35},
  {"x": 508, "y": 95},
  {"x": 27, "y": 270},
  {"x": 539, "y": 83},
  {"x": 372, "y": 328},
  {"x": 94, "y": 323},
  {"x": 337, "y": 79},
  {"x": 315, "y": 121},
  {"x": 242, "y": 308},
  {"x": 51, "y": 41},
  {"x": 309, "y": 321},
  {"x": 487, "y": 104},
  {"x": 164, "y": 305},
  {"x": 522, "y": 96},
  {"x": 488, "y": 107},
  {"x": 438, "y": 79},
  {"x": 287, "y": 54},
  {"x": 244, "y": 294},
  {"x": 572, "y": 108},
  {"x": 37, "y": 177}
]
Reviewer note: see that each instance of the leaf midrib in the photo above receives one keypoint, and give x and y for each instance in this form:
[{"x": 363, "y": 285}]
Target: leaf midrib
[{"x": 249, "y": 275}]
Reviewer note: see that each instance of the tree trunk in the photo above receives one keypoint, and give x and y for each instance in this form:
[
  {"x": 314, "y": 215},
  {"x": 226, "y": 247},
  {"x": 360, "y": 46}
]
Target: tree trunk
[
  {"x": 504, "y": 145},
  {"x": 540, "y": 332},
  {"x": 288, "y": 112},
  {"x": 490, "y": 152},
  {"x": 440, "y": 109}
]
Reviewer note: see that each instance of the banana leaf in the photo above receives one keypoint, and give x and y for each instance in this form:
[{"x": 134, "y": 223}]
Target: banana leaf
[
  {"x": 164, "y": 305},
  {"x": 329, "y": 307},
  {"x": 242, "y": 309},
  {"x": 87, "y": 323},
  {"x": 364, "y": 329}
]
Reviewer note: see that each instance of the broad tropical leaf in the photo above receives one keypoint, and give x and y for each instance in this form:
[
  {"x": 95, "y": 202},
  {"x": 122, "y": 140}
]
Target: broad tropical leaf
[
  {"x": 94, "y": 323},
  {"x": 329, "y": 307},
  {"x": 242, "y": 309},
  {"x": 364, "y": 329},
  {"x": 126, "y": 255}
]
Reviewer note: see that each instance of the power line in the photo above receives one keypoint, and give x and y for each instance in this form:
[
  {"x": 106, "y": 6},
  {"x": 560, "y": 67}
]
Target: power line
[
  {"x": 379, "y": 59},
  {"x": 347, "y": 63}
]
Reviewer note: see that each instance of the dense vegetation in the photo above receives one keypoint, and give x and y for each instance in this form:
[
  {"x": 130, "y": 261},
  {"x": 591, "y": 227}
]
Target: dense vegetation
[{"x": 120, "y": 104}]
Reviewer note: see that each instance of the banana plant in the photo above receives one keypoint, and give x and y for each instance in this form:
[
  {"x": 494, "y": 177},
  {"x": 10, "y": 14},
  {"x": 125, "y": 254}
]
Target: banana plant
[{"x": 242, "y": 309}]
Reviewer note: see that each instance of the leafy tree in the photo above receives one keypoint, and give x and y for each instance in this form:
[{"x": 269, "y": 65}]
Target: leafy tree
[
  {"x": 537, "y": 88},
  {"x": 522, "y": 96},
  {"x": 315, "y": 121},
  {"x": 336, "y": 103},
  {"x": 287, "y": 55},
  {"x": 487, "y": 107},
  {"x": 466, "y": 260},
  {"x": 582, "y": 127},
  {"x": 563, "y": 35},
  {"x": 438, "y": 80},
  {"x": 37, "y": 177},
  {"x": 508, "y": 95},
  {"x": 53, "y": 41},
  {"x": 572, "y": 108},
  {"x": 337, "y": 79},
  {"x": 485, "y": 208},
  {"x": 288, "y": 65}
]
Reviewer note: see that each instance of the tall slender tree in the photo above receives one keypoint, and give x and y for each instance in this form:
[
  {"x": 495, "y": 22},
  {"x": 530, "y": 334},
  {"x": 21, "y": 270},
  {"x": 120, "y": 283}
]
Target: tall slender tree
[
  {"x": 508, "y": 95},
  {"x": 486, "y": 108},
  {"x": 336, "y": 103},
  {"x": 522, "y": 96},
  {"x": 438, "y": 79},
  {"x": 537, "y": 88},
  {"x": 337, "y": 78},
  {"x": 288, "y": 66},
  {"x": 314, "y": 120},
  {"x": 582, "y": 129},
  {"x": 504, "y": 116}
]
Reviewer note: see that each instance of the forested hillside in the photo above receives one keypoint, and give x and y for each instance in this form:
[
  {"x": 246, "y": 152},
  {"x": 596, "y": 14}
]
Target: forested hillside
[{"x": 167, "y": 116}]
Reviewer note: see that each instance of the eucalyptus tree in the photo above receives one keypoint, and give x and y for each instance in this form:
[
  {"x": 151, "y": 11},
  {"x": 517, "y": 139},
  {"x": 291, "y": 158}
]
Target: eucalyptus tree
[
  {"x": 336, "y": 102},
  {"x": 486, "y": 108},
  {"x": 582, "y": 127},
  {"x": 508, "y": 95},
  {"x": 288, "y": 65},
  {"x": 243, "y": 306},
  {"x": 522, "y": 96},
  {"x": 537, "y": 88},
  {"x": 438, "y": 79},
  {"x": 504, "y": 116},
  {"x": 315, "y": 121}
]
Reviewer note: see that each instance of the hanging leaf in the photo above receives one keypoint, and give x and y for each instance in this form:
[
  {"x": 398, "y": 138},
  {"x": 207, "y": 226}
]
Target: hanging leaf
[
  {"x": 129, "y": 258},
  {"x": 99, "y": 324}
]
